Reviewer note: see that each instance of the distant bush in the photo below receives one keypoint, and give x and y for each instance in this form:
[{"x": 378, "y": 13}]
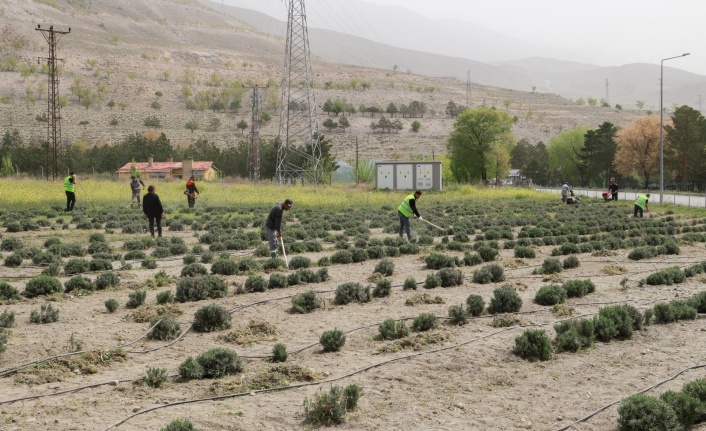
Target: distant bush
[
  {"x": 425, "y": 322},
  {"x": 107, "y": 280},
  {"x": 450, "y": 277},
  {"x": 382, "y": 288},
  {"x": 8, "y": 293},
  {"x": 200, "y": 288},
  {"x": 352, "y": 292},
  {"x": 551, "y": 294},
  {"x": 277, "y": 281},
  {"x": 472, "y": 259},
  {"x": 211, "y": 318},
  {"x": 571, "y": 262},
  {"x": 299, "y": 262},
  {"x": 79, "y": 282},
  {"x": 641, "y": 253},
  {"x": 111, "y": 305},
  {"x": 574, "y": 335},
  {"x": 42, "y": 285},
  {"x": 432, "y": 281},
  {"x": 155, "y": 377},
  {"x": 330, "y": 409},
  {"x": 458, "y": 315},
  {"x": 385, "y": 267},
  {"x": 165, "y": 297},
  {"x": 533, "y": 344},
  {"x": 613, "y": 322},
  {"x": 13, "y": 260},
  {"x": 7, "y": 319},
  {"x": 306, "y": 302},
  {"x": 167, "y": 329},
  {"x": 342, "y": 257},
  {"x": 504, "y": 300},
  {"x": 578, "y": 288},
  {"x": 551, "y": 265},
  {"x": 255, "y": 283},
  {"x": 667, "y": 276},
  {"x": 438, "y": 261},
  {"x": 409, "y": 284},
  {"x": 193, "y": 270},
  {"x": 211, "y": 364},
  {"x": 136, "y": 298},
  {"x": 645, "y": 413},
  {"x": 393, "y": 329},
  {"x": 46, "y": 314},
  {"x": 487, "y": 253},
  {"x": 475, "y": 305},
  {"x": 524, "y": 252},
  {"x": 687, "y": 408},
  {"x": 332, "y": 340},
  {"x": 279, "y": 353}
]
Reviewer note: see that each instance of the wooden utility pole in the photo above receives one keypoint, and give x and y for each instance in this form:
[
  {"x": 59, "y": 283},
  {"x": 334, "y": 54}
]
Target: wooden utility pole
[{"x": 357, "y": 172}]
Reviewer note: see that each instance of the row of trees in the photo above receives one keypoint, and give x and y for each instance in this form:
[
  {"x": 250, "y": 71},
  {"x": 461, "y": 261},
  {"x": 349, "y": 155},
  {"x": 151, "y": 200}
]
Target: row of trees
[
  {"x": 415, "y": 109},
  {"x": 34, "y": 158},
  {"x": 481, "y": 147}
]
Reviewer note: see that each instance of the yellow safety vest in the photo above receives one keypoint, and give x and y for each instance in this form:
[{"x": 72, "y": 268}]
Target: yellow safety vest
[
  {"x": 405, "y": 208},
  {"x": 68, "y": 185},
  {"x": 641, "y": 201}
]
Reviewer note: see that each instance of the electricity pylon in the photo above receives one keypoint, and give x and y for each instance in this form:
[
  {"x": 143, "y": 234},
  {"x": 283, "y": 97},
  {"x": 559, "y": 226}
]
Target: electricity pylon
[{"x": 299, "y": 149}]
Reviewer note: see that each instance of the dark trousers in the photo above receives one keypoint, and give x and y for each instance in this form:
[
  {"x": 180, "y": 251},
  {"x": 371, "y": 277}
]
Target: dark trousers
[
  {"x": 70, "y": 201},
  {"x": 158, "y": 219},
  {"x": 135, "y": 198},
  {"x": 404, "y": 225},
  {"x": 615, "y": 196},
  {"x": 637, "y": 210},
  {"x": 191, "y": 200}
]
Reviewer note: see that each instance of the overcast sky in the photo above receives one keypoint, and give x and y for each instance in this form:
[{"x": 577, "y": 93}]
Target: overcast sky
[{"x": 600, "y": 32}]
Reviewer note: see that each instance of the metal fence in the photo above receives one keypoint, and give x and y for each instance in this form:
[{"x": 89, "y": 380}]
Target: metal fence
[{"x": 696, "y": 200}]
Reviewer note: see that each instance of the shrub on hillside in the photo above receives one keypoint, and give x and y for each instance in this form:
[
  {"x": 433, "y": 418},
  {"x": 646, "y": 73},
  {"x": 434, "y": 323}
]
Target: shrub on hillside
[
  {"x": 211, "y": 364},
  {"x": 524, "y": 252},
  {"x": 255, "y": 283},
  {"x": 167, "y": 329},
  {"x": 667, "y": 276},
  {"x": 136, "y": 298},
  {"x": 79, "y": 282},
  {"x": 330, "y": 409},
  {"x": 574, "y": 335},
  {"x": 571, "y": 262},
  {"x": 306, "y": 302},
  {"x": 409, "y": 284},
  {"x": 332, "y": 340},
  {"x": 382, "y": 288},
  {"x": 450, "y": 277},
  {"x": 551, "y": 294},
  {"x": 46, "y": 314},
  {"x": 385, "y": 267},
  {"x": 393, "y": 329},
  {"x": 200, "y": 288},
  {"x": 578, "y": 288},
  {"x": 425, "y": 322},
  {"x": 475, "y": 305},
  {"x": 352, "y": 292},
  {"x": 645, "y": 413},
  {"x": 42, "y": 285}
]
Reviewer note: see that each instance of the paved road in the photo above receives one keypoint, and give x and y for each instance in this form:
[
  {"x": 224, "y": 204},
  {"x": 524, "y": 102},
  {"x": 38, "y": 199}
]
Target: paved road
[{"x": 691, "y": 200}]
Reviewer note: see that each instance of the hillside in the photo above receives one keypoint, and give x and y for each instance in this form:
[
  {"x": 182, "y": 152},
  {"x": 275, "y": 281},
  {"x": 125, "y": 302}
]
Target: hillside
[{"x": 128, "y": 51}]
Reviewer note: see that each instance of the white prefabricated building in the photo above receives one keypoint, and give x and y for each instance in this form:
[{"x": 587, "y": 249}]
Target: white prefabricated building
[{"x": 408, "y": 175}]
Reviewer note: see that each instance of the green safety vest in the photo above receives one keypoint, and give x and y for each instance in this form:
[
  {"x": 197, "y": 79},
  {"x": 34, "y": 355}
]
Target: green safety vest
[
  {"x": 405, "y": 208},
  {"x": 641, "y": 201},
  {"x": 68, "y": 185}
]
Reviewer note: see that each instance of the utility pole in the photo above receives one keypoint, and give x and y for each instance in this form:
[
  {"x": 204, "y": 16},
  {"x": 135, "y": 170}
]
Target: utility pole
[
  {"x": 468, "y": 89},
  {"x": 254, "y": 149},
  {"x": 53, "y": 108},
  {"x": 607, "y": 98},
  {"x": 299, "y": 145},
  {"x": 357, "y": 172},
  {"x": 699, "y": 103}
]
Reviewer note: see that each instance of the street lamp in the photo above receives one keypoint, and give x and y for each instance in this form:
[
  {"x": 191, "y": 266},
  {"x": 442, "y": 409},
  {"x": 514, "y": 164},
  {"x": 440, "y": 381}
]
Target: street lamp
[{"x": 661, "y": 126}]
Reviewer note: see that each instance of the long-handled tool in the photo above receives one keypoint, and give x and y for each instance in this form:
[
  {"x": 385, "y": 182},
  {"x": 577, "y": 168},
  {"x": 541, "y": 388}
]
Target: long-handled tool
[
  {"x": 284, "y": 253},
  {"x": 87, "y": 197},
  {"x": 430, "y": 223},
  {"x": 130, "y": 204}
]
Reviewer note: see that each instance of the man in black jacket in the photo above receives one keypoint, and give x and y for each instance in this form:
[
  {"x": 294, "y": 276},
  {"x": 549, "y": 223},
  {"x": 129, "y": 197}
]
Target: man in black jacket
[
  {"x": 152, "y": 207},
  {"x": 273, "y": 225}
]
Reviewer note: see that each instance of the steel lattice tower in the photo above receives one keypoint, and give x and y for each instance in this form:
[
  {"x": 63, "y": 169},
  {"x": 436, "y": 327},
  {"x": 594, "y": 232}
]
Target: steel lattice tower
[
  {"x": 254, "y": 149},
  {"x": 53, "y": 108},
  {"x": 299, "y": 150}
]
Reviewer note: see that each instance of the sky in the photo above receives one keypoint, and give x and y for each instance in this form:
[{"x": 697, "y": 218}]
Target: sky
[{"x": 600, "y": 32}]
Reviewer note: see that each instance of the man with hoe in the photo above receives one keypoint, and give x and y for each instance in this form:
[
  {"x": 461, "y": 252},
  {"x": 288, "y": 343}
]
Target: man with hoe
[
  {"x": 70, "y": 190},
  {"x": 641, "y": 204},
  {"x": 135, "y": 186},
  {"x": 273, "y": 225},
  {"x": 407, "y": 209}
]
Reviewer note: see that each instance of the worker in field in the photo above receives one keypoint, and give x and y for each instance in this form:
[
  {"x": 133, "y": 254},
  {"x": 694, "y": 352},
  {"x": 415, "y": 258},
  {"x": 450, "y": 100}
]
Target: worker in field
[
  {"x": 613, "y": 190},
  {"x": 136, "y": 185},
  {"x": 191, "y": 191},
  {"x": 70, "y": 190},
  {"x": 641, "y": 203},
  {"x": 273, "y": 224},
  {"x": 407, "y": 209},
  {"x": 565, "y": 192},
  {"x": 152, "y": 208}
]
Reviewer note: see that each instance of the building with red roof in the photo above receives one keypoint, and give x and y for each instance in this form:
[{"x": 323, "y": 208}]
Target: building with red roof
[{"x": 169, "y": 170}]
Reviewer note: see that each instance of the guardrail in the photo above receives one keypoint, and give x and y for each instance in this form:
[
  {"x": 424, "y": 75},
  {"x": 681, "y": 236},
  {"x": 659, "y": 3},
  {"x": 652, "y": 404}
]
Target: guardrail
[{"x": 696, "y": 200}]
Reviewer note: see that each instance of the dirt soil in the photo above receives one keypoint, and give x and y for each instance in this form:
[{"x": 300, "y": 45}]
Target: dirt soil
[{"x": 456, "y": 377}]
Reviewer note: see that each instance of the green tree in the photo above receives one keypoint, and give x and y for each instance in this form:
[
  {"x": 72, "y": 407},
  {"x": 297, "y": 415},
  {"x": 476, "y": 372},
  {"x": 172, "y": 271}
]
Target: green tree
[
  {"x": 110, "y": 104},
  {"x": 471, "y": 140},
  {"x": 343, "y": 123},
  {"x": 7, "y": 168},
  {"x": 640, "y": 104},
  {"x": 564, "y": 151},
  {"x": 391, "y": 109},
  {"x": 192, "y": 125},
  {"x": 152, "y": 122},
  {"x": 416, "y": 125},
  {"x": 156, "y": 105},
  {"x": 684, "y": 145},
  {"x": 598, "y": 153},
  {"x": 330, "y": 124},
  {"x": 114, "y": 123},
  {"x": 592, "y": 101},
  {"x": 242, "y": 125},
  {"x": 531, "y": 160},
  {"x": 214, "y": 124}
]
